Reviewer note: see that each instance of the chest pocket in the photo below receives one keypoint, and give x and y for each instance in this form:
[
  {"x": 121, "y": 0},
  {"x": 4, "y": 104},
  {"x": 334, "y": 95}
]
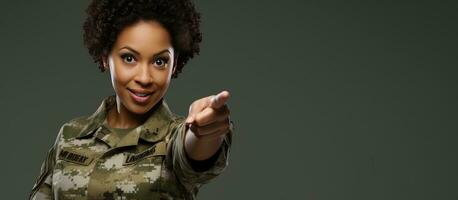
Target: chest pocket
[
  {"x": 158, "y": 149},
  {"x": 70, "y": 155}
]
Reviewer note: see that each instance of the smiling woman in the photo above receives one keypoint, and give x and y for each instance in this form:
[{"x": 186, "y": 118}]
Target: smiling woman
[
  {"x": 141, "y": 64},
  {"x": 133, "y": 146}
]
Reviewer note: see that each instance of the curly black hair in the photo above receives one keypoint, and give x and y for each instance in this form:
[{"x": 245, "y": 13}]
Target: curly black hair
[{"x": 107, "y": 18}]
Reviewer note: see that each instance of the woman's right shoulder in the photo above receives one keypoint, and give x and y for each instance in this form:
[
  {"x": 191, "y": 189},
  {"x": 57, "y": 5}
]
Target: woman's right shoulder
[{"x": 74, "y": 126}]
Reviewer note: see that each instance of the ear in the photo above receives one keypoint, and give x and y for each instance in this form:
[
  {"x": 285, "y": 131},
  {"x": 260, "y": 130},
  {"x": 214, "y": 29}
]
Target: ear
[
  {"x": 105, "y": 62},
  {"x": 175, "y": 63}
]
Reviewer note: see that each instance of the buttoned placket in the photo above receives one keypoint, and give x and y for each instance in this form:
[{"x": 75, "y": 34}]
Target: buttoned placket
[{"x": 104, "y": 135}]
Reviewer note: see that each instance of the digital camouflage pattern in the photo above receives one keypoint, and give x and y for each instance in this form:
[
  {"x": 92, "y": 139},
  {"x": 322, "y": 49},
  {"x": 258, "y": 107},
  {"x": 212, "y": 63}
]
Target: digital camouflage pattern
[{"x": 88, "y": 161}]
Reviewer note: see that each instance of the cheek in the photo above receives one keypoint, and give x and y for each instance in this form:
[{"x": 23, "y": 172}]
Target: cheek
[
  {"x": 120, "y": 75},
  {"x": 162, "y": 78}
]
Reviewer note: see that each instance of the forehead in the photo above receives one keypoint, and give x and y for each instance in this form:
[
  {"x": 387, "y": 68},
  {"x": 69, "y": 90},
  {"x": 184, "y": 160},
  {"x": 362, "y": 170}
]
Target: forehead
[{"x": 146, "y": 37}]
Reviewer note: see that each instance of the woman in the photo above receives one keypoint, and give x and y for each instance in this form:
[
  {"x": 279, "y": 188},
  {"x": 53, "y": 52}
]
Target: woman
[{"x": 133, "y": 146}]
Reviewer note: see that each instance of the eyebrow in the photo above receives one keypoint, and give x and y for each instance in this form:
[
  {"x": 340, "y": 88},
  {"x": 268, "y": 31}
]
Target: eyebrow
[{"x": 136, "y": 52}]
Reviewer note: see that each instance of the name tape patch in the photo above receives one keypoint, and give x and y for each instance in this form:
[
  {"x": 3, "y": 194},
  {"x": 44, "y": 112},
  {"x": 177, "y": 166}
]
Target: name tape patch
[
  {"x": 158, "y": 149},
  {"x": 74, "y": 157}
]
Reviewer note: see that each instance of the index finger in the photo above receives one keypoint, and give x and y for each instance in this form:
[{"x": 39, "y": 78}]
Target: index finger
[{"x": 219, "y": 100}]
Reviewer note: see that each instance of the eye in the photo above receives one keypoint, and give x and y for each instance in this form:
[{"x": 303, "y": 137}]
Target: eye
[
  {"x": 128, "y": 58},
  {"x": 161, "y": 62}
]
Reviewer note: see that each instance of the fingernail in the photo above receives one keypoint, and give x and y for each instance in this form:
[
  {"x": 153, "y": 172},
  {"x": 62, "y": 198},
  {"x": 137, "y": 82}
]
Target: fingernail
[{"x": 215, "y": 99}]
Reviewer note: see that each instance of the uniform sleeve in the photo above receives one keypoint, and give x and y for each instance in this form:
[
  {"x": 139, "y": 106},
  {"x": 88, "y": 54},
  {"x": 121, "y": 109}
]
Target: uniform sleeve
[
  {"x": 43, "y": 185},
  {"x": 190, "y": 173},
  {"x": 42, "y": 188}
]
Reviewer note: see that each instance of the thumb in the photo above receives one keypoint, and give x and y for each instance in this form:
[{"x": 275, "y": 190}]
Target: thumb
[
  {"x": 219, "y": 100},
  {"x": 190, "y": 119}
]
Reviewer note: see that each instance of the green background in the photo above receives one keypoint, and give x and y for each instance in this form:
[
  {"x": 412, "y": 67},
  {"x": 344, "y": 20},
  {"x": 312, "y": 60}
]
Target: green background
[{"x": 331, "y": 99}]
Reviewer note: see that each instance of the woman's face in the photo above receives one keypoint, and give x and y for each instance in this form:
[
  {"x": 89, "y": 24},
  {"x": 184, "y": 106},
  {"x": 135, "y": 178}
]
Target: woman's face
[{"x": 141, "y": 64}]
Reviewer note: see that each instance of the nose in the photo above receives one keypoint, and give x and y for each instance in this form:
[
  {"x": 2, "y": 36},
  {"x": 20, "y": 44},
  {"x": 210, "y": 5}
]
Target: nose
[{"x": 143, "y": 76}]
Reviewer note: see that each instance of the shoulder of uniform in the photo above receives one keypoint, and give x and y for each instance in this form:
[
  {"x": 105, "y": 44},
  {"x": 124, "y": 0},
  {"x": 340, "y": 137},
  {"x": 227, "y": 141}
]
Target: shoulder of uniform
[
  {"x": 176, "y": 119},
  {"x": 73, "y": 127}
]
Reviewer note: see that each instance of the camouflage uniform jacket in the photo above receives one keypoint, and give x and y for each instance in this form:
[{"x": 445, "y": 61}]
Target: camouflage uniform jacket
[{"x": 88, "y": 161}]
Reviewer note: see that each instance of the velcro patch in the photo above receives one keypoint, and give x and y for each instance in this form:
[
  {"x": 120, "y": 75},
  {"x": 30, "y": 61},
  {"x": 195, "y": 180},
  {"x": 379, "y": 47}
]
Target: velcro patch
[
  {"x": 75, "y": 157},
  {"x": 156, "y": 150}
]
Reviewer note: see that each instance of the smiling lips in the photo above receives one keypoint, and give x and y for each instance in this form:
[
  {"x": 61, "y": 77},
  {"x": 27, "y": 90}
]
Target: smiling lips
[{"x": 140, "y": 96}]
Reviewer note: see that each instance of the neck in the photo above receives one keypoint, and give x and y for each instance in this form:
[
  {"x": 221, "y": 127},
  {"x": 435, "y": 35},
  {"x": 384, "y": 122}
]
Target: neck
[{"x": 120, "y": 117}]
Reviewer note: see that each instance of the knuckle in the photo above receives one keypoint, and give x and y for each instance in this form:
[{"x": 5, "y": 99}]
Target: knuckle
[
  {"x": 199, "y": 118},
  {"x": 201, "y": 122},
  {"x": 211, "y": 111}
]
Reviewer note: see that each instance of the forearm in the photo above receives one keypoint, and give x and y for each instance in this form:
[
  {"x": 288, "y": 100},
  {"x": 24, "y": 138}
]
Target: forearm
[{"x": 201, "y": 148}]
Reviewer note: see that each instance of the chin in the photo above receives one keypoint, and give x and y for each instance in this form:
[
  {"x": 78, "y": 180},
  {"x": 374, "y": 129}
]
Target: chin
[{"x": 139, "y": 109}]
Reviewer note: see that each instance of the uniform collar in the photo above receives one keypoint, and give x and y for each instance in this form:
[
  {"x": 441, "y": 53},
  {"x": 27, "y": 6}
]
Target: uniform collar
[{"x": 155, "y": 128}]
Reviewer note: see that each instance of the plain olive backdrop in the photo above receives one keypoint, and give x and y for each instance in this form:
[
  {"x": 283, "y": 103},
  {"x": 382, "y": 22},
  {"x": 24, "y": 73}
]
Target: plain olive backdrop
[{"x": 331, "y": 99}]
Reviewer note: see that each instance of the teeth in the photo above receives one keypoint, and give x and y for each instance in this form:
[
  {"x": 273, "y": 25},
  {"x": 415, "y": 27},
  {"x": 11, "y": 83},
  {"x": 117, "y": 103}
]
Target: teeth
[{"x": 141, "y": 95}]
